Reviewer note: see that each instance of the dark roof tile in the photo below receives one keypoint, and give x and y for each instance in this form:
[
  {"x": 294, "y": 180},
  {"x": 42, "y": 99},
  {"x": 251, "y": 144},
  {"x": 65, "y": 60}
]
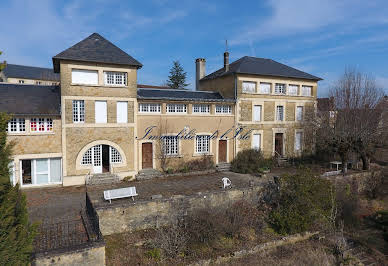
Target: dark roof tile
[
  {"x": 29, "y": 72},
  {"x": 96, "y": 48},
  {"x": 261, "y": 66},
  {"x": 21, "y": 99},
  {"x": 177, "y": 95}
]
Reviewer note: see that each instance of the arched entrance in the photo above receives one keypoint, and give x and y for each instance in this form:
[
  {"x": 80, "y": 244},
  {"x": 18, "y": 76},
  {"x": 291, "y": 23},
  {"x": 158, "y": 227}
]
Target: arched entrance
[{"x": 101, "y": 157}]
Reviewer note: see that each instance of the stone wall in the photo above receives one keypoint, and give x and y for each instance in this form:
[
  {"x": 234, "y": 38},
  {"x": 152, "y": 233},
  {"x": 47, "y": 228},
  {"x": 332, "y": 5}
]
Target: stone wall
[
  {"x": 93, "y": 254},
  {"x": 138, "y": 215}
]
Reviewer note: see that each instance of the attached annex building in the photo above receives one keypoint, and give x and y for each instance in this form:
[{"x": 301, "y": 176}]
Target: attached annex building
[{"x": 97, "y": 120}]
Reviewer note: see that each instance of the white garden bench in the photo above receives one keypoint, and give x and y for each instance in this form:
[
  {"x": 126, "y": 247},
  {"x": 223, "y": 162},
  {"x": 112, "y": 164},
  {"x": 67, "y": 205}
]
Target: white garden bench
[{"x": 120, "y": 193}]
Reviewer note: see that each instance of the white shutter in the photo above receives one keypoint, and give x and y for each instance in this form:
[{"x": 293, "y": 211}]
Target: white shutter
[
  {"x": 257, "y": 113},
  {"x": 256, "y": 141},
  {"x": 122, "y": 112},
  {"x": 11, "y": 167},
  {"x": 265, "y": 88},
  {"x": 89, "y": 77},
  {"x": 100, "y": 111}
]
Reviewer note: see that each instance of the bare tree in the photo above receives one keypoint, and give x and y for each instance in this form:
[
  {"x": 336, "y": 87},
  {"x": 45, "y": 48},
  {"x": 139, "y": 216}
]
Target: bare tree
[{"x": 355, "y": 127}]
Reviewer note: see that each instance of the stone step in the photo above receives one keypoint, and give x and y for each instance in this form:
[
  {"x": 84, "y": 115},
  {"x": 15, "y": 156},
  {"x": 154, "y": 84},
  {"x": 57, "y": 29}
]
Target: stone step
[
  {"x": 146, "y": 174},
  {"x": 99, "y": 179},
  {"x": 222, "y": 167}
]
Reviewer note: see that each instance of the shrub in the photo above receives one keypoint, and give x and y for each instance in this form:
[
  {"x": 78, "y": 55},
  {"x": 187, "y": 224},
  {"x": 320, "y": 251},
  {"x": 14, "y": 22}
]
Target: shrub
[
  {"x": 348, "y": 205},
  {"x": 204, "y": 163},
  {"x": 153, "y": 254},
  {"x": 171, "y": 240},
  {"x": 303, "y": 201},
  {"x": 249, "y": 162}
]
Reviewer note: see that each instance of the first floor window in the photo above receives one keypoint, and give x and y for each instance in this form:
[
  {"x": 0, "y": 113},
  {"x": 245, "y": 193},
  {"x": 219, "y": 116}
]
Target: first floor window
[
  {"x": 115, "y": 78},
  {"x": 298, "y": 141},
  {"x": 249, "y": 87},
  {"x": 149, "y": 108},
  {"x": 306, "y": 90},
  {"x": 21, "y": 81},
  {"x": 78, "y": 111},
  {"x": 202, "y": 144},
  {"x": 16, "y": 125},
  {"x": 176, "y": 108},
  {"x": 279, "y": 113},
  {"x": 83, "y": 76},
  {"x": 293, "y": 90},
  {"x": 280, "y": 88},
  {"x": 256, "y": 141},
  {"x": 223, "y": 109},
  {"x": 201, "y": 108},
  {"x": 122, "y": 112},
  {"x": 299, "y": 113},
  {"x": 170, "y": 145},
  {"x": 41, "y": 125}
]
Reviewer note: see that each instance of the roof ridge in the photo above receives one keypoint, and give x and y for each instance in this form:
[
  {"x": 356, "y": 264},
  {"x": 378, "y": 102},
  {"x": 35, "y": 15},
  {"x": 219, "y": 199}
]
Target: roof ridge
[
  {"x": 28, "y": 66},
  {"x": 176, "y": 90}
]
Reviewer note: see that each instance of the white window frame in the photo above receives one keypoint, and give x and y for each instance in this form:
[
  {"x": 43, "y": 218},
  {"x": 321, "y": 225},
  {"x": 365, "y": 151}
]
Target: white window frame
[
  {"x": 279, "y": 114},
  {"x": 21, "y": 81},
  {"x": 34, "y": 173},
  {"x": 46, "y": 123},
  {"x": 265, "y": 83},
  {"x": 19, "y": 123},
  {"x": 115, "y": 78},
  {"x": 310, "y": 91},
  {"x": 223, "y": 109},
  {"x": 280, "y": 88},
  {"x": 114, "y": 156},
  {"x": 299, "y": 113},
  {"x": 202, "y": 144},
  {"x": 260, "y": 140},
  {"x": 201, "y": 108},
  {"x": 78, "y": 111},
  {"x": 247, "y": 87},
  {"x": 150, "y": 108},
  {"x": 179, "y": 108},
  {"x": 291, "y": 87},
  {"x": 173, "y": 149}
]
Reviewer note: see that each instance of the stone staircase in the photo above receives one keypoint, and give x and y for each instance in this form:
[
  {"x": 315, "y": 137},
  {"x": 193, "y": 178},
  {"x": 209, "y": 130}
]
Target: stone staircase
[
  {"x": 223, "y": 167},
  {"x": 102, "y": 179},
  {"x": 282, "y": 161},
  {"x": 148, "y": 173}
]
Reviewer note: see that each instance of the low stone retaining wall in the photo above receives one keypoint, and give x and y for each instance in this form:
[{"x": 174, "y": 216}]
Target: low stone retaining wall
[
  {"x": 89, "y": 254},
  {"x": 357, "y": 181},
  {"x": 132, "y": 216},
  {"x": 265, "y": 246}
]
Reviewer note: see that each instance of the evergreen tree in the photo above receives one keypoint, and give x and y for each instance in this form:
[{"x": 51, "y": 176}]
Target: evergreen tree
[
  {"x": 177, "y": 77},
  {"x": 16, "y": 234},
  {"x": 2, "y": 65}
]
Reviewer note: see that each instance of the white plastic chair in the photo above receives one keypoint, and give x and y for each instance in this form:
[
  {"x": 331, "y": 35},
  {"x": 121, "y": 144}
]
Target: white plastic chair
[{"x": 226, "y": 182}]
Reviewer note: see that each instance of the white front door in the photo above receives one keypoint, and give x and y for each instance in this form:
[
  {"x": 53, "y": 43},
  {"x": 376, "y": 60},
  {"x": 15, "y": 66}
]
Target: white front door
[{"x": 97, "y": 159}]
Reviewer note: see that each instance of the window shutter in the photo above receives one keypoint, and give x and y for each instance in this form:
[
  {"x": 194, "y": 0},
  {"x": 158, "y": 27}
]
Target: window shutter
[
  {"x": 122, "y": 112},
  {"x": 257, "y": 113},
  {"x": 89, "y": 77},
  {"x": 100, "y": 111}
]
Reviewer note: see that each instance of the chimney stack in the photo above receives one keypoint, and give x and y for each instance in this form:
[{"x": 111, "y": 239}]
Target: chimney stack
[
  {"x": 200, "y": 64},
  {"x": 226, "y": 61}
]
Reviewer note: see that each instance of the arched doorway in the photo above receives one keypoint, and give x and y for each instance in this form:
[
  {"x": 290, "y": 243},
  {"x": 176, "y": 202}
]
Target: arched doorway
[{"x": 101, "y": 157}]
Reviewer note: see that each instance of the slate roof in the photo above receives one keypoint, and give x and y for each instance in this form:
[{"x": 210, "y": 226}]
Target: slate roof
[
  {"x": 261, "y": 66},
  {"x": 20, "y": 99},
  {"x": 30, "y": 72},
  {"x": 96, "y": 48},
  {"x": 178, "y": 95}
]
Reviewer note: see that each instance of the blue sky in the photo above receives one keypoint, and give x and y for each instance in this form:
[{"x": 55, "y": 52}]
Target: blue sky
[{"x": 316, "y": 36}]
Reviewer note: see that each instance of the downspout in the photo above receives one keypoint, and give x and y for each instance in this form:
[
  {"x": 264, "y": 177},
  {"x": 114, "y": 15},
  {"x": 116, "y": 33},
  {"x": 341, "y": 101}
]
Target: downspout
[{"x": 235, "y": 113}]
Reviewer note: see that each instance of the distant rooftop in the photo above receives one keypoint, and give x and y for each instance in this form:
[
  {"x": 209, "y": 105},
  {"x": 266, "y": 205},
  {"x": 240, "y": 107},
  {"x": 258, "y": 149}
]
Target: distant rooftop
[
  {"x": 96, "y": 48},
  {"x": 177, "y": 95},
  {"x": 30, "y": 72},
  {"x": 23, "y": 99},
  {"x": 261, "y": 66},
  {"x": 151, "y": 86}
]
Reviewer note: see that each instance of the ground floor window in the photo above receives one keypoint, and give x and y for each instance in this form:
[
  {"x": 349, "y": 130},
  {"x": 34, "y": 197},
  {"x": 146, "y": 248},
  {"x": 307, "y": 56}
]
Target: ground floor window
[
  {"x": 41, "y": 171},
  {"x": 170, "y": 144},
  {"x": 202, "y": 144},
  {"x": 298, "y": 141}
]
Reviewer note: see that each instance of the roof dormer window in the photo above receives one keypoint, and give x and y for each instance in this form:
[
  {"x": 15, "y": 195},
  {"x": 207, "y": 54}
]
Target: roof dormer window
[{"x": 115, "y": 78}]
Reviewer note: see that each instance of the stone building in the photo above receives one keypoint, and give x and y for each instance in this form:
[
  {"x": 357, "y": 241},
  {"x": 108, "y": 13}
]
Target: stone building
[
  {"x": 19, "y": 74},
  {"x": 100, "y": 121}
]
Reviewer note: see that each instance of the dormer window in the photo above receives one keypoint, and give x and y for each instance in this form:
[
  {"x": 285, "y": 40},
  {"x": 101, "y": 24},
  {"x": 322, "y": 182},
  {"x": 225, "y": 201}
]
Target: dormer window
[{"x": 115, "y": 78}]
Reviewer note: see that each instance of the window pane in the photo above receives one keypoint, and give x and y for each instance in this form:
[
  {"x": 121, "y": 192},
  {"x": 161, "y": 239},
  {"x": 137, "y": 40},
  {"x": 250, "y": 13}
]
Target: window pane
[
  {"x": 249, "y": 86},
  {"x": 55, "y": 170},
  {"x": 41, "y": 165},
  {"x": 257, "y": 113},
  {"x": 41, "y": 179},
  {"x": 256, "y": 141},
  {"x": 265, "y": 88},
  {"x": 293, "y": 89}
]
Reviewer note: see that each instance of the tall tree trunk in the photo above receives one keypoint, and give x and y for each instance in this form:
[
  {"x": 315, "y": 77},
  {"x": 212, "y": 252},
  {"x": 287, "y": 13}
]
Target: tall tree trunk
[
  {"x": 365, "y": 162},
  {"x": 344, "y": 161}
]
